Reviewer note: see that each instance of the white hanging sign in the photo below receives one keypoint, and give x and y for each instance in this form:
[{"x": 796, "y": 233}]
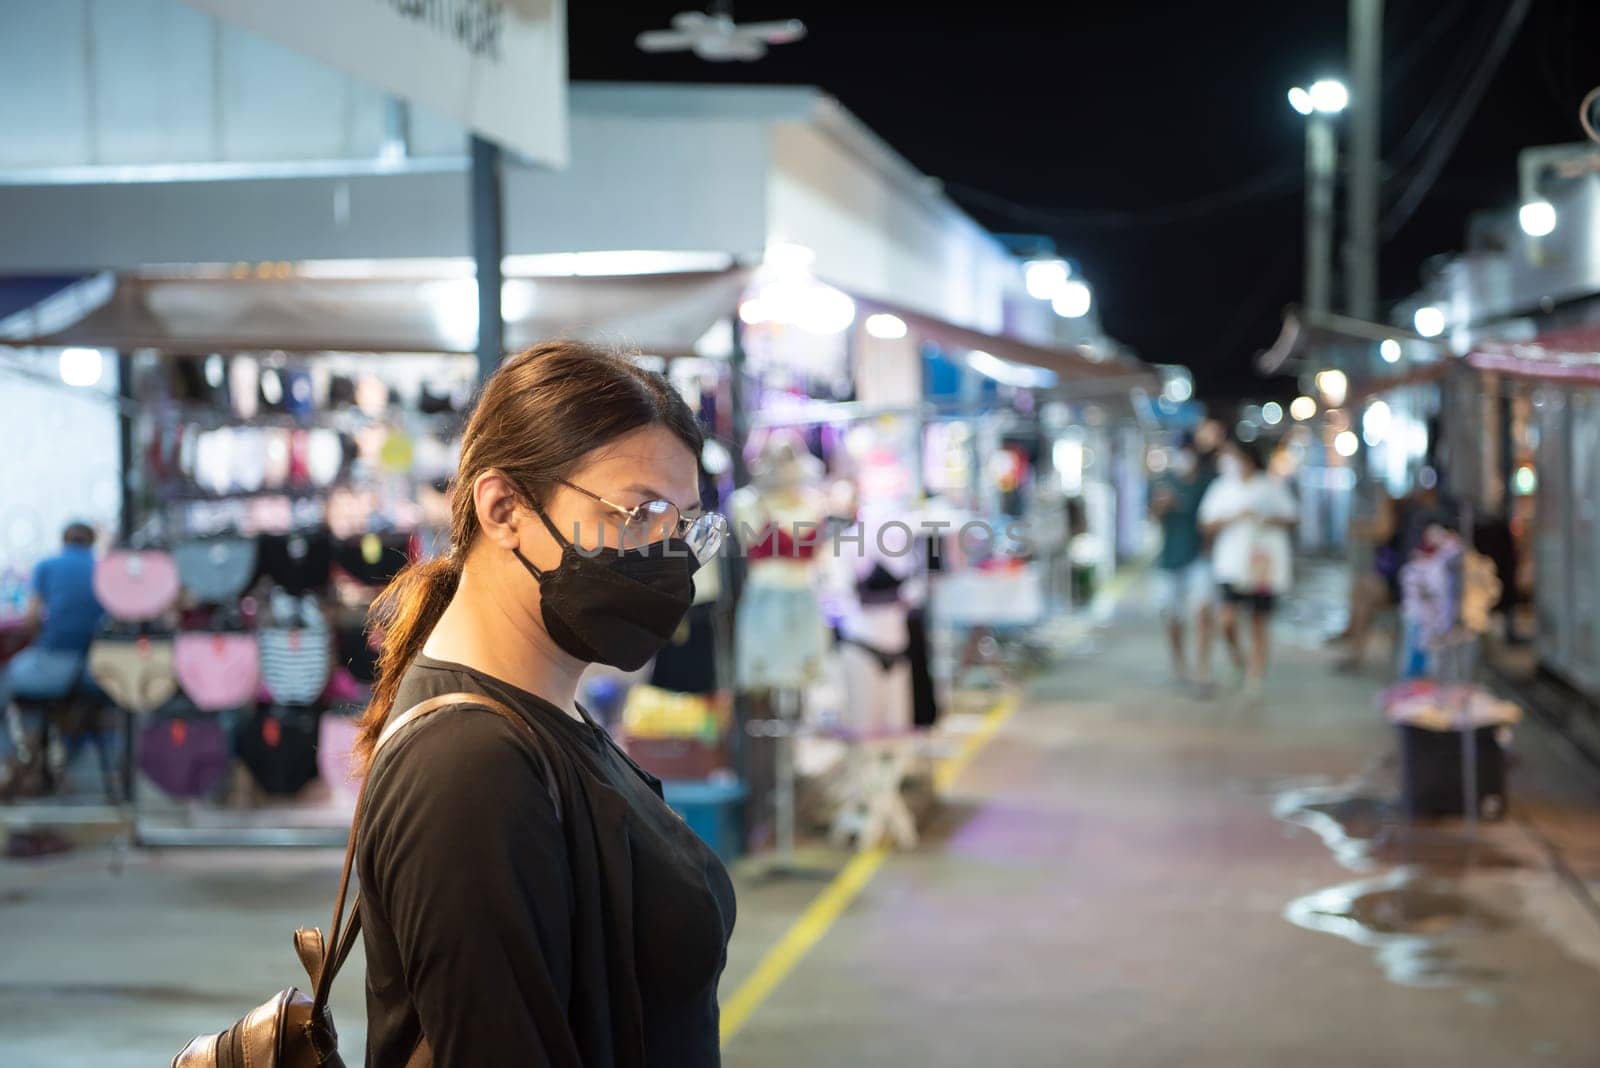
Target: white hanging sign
[{"x": 499, "y": 67}]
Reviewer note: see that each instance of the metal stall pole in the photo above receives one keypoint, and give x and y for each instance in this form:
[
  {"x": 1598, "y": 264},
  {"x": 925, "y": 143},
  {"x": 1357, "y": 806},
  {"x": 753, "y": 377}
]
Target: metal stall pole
[{"x": 488, "y": 252}]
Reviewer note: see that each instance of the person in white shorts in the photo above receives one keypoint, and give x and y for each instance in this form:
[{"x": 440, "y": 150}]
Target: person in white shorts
[{"x": 1183, "y": 581}]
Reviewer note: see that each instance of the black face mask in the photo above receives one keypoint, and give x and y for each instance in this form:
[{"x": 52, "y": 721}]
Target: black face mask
[{"x": 612, "y": 606}]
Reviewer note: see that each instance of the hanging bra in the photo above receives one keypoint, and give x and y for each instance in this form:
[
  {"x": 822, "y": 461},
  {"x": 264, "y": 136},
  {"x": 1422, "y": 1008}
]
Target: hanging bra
[
  {"x": 298, "y": 563},
  {"x": 217, "y": 670},
  {"x": 136, "y": 586},
  {"x": 373, "y": 559},
  {"x": 216, "y": 570},
  {"x": 185, "y": 757},
  {"x": 357, "y": 653},
  {"x": 295, "y": 663},
  {"x": 137, "y": 675},
  {"x": 774, "y": 542},
  {"x": 279, "y": 747},
  {"x": 881, "y": 586}
]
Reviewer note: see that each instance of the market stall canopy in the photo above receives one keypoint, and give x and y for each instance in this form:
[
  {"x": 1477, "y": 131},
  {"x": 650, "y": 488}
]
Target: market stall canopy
[
  {"x": 1304, "y": 333},
  {"x": 1076, "y": 368},
  {"x": 1567, "y": 355},
  {"x": 1570, "y": 354},
  {"x": 660, "y": 314}
]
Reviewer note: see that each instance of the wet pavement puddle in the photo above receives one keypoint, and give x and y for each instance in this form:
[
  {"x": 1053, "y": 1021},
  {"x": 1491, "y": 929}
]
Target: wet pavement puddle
[
  {"x": 1420, "y": 927},
  {"x": 1412, "y": 909}
]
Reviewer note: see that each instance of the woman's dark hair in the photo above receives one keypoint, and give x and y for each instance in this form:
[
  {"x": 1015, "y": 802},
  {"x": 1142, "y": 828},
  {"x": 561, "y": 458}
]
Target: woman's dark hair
[
  {"x": 78, "y": 534},
  {"x": 1253, "y": 453},
  {"x": 534, "y": 420}
]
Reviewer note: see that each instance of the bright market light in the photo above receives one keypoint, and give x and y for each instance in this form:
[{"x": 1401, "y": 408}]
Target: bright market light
[
  {"x": 1525, "y": 482},
  {"x": 81, "y": 367},
  {"x": 1334, "y": 387},
  {"x": 787, "y": 256},
  {"x": 811, "y": 306},
  {"x": 1389, "y": 350},
  {"x": 1329, "y": 96},
  {"x": 1074, "y": 300},
  {"x": 1272, "y": 413},
  {"x": 1300, "y": 100},
  {"x": 1009, "y": 373},
  {"x": 1346, "y": 443},
  {"x": 1178, "y": 389},
  {"x": 1429, "y": 321},
  {"x": 1045, "y": 278},
  {"x": 1537, "y": 218},
  {"x": 1376, "y": 422},
  {"x": 885, "y": 326},
  {"x": 1302, "y": 408}
]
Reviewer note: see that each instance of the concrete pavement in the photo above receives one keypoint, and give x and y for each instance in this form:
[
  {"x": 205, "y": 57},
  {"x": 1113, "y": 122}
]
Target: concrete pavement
[{"x": 1108, "y": 883}]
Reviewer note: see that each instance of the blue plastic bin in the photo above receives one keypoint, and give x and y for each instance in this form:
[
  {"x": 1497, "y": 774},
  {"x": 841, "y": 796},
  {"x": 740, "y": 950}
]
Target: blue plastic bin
[{"x": 713, "y": 810}]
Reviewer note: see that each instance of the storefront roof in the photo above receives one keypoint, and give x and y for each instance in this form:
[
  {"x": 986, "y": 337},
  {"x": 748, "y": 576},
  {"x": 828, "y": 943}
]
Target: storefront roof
[
  {"x": 1070, "y": 365},
  {"x": 662, "y": 314}
]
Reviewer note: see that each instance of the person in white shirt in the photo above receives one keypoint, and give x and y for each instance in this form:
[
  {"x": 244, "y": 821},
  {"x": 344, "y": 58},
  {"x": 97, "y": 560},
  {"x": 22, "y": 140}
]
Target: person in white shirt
[{"x": 1250, "y": 515}]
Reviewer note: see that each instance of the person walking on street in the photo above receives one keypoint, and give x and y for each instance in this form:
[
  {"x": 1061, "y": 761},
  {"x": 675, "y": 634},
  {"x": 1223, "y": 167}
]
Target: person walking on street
[
  {"x": 1184, "y": 586},
  {"x": 1250, "y": 514}
]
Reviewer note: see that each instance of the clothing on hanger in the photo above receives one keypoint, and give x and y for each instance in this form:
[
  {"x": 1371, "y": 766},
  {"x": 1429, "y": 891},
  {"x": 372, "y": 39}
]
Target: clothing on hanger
[
  {"x": 299, "y": 563},
  {"x": 688, "y": 663},
  {"x": 137, "y": 674},
  {"x": 278, "y": 745},
  {"x": 217, "y": 569},
  {"x": 295, "y": 663},
  {"x": 373, "y": 559},
  {"x": 186, "y": 756},
  {"x": 217, "y": 670}
]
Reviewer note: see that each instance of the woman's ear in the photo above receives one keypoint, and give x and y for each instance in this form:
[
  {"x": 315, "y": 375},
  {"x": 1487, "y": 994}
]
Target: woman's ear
[{"x": 496, "y": 502}]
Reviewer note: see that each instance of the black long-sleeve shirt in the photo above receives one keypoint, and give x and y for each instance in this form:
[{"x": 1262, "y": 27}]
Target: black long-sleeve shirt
[{"x": 509, "y": 934}]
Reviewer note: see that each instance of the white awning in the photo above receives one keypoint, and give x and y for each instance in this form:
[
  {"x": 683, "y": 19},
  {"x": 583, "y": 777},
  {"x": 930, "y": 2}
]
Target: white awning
[{"x": 661, "y": 314}]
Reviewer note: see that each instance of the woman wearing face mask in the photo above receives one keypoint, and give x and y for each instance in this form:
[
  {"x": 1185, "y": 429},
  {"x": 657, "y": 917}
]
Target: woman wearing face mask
[{"x": 526, "y": 896}]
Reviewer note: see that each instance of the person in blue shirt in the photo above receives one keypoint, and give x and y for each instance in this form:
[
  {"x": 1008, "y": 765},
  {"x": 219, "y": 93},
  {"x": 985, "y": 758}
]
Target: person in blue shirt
[
  {"x": 64, "y": 609},
  {"x": 63, "y": 614},
  {"x": 1184, "y": 585}
]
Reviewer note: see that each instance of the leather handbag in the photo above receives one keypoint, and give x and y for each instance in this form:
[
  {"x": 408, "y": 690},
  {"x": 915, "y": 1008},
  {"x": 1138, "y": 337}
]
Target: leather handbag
[{"x": 291, "y": 1030}]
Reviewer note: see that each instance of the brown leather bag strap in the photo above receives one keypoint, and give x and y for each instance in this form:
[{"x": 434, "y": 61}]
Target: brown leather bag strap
[{"x": 342, "y": 940}]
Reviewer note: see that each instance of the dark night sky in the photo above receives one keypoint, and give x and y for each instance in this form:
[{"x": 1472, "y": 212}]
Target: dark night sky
[{"x": 1153, "y": 140}]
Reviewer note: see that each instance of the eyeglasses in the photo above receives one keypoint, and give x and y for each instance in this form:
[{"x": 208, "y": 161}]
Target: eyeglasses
[{"x": 657, "y": 520}]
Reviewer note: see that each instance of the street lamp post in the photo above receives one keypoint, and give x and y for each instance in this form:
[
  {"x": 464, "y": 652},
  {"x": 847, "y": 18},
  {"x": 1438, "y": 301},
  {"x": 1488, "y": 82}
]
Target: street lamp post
[{"x": 1319, "y": 104}]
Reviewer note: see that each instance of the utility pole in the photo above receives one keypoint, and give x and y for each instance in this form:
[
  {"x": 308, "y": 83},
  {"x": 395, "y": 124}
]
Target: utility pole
[
  {"x": 1322, "y": 160},
  {"x": 488, "y": 252},
  {"x": 1366, "y": 59}
]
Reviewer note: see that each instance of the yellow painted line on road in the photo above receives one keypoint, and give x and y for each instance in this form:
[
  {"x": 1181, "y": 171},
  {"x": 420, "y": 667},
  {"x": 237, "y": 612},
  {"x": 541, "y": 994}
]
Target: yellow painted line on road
[{"x": 827, "y": 907}]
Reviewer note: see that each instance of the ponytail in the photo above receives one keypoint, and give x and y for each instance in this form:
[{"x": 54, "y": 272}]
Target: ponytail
[{"x": 405, "y": 613}]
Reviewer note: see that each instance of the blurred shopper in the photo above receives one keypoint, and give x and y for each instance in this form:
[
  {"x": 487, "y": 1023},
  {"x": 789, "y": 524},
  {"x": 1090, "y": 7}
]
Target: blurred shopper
[
  {"x": 1250, "y": 514},
  {"x": 63, "y": 611},
  {"x": 1393, "y": 534},
  {"x": 526, "y": 896},
  {"x": 63, "y": 614},
  {"x": 1184, "y": 585}
]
